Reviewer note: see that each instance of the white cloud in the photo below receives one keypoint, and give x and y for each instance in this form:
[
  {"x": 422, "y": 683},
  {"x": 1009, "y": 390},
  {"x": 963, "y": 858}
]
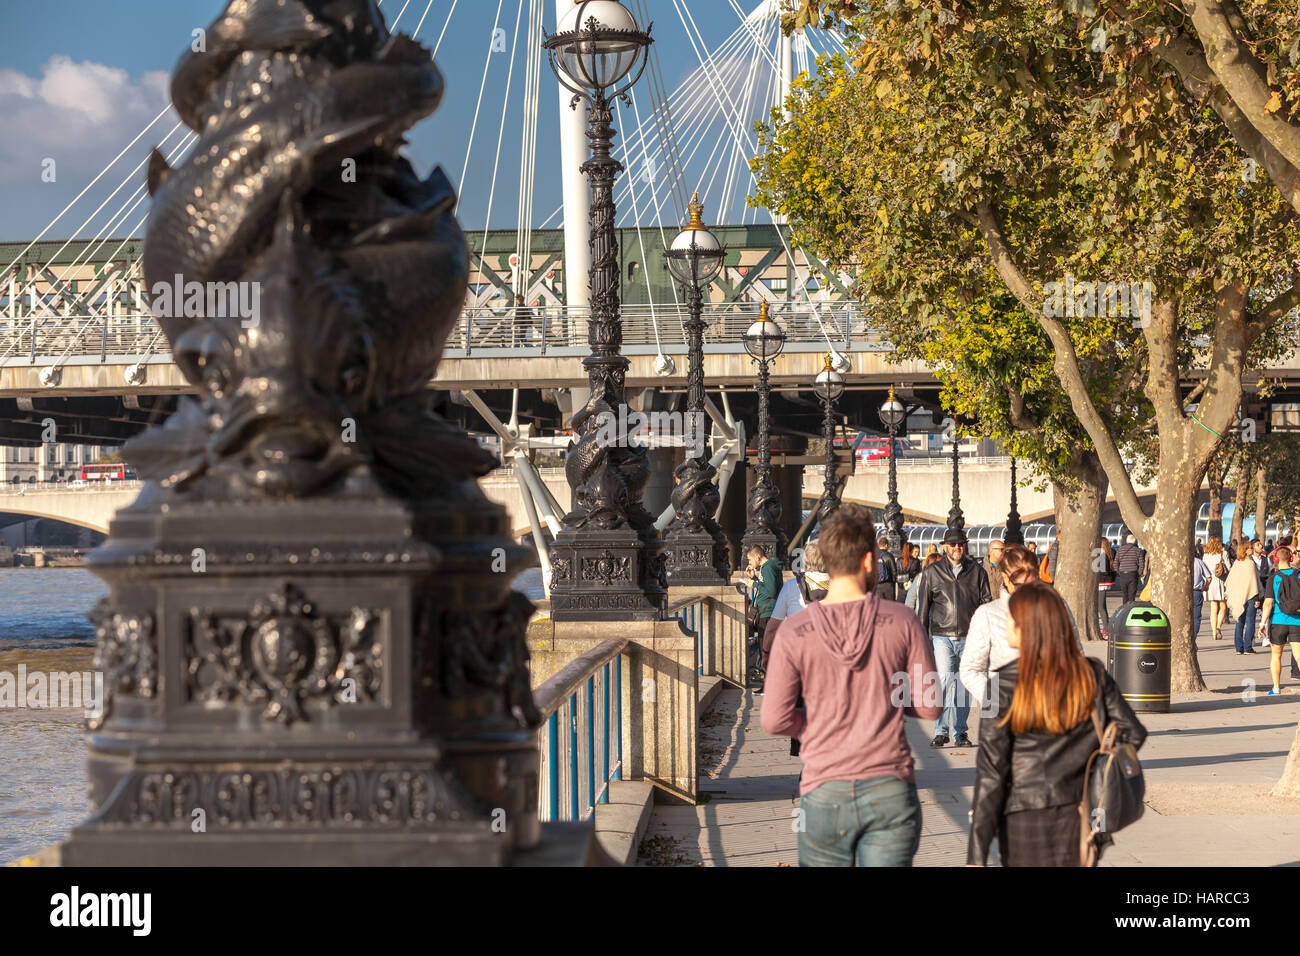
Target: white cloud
[{"x": 79, "y": 114}]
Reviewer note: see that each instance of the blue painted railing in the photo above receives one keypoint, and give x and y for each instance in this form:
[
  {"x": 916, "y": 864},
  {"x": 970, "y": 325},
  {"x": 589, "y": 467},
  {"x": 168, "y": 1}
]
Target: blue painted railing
[{"x": 580, "y": 741}]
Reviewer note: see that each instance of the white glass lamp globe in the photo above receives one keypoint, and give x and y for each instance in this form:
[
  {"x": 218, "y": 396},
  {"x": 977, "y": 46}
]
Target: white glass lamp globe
[
  {"x": 764, "y": 339},
  {"x": 597, "y": 59},
  {"x": 707, "y": 251}
]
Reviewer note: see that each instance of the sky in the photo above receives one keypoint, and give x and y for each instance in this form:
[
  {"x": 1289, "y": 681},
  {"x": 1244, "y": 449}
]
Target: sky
[{"x": 79, "y": 79}]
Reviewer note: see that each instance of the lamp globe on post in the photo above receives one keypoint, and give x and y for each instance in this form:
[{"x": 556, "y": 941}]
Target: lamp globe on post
[
  {"x": 607, "y": 562},
  {"x": 892, "y": 415},
  {"x": 764, "y": 341},
  {"x": 695, "y": 545},
  {"x": 595, "y": 46},
  {"x": 829, "y": 386}
]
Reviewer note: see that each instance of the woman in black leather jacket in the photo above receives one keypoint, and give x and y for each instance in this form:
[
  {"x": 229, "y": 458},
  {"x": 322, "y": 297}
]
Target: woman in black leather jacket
[{"x": 1032, "y": 757}]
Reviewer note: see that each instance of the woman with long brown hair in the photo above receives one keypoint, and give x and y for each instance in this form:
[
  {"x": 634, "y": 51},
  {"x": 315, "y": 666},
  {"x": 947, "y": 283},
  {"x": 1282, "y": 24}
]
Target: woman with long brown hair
[
  {"x": 1217, "y": 595},
  {"x": 1032, "y": 756}
]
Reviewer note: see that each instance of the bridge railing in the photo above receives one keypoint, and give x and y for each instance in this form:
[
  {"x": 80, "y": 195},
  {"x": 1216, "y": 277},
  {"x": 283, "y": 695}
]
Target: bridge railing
[
  {"x": 21, "y": 487},
  {"x": 835, "y": 324},
  {"x": 580, "y": 742},
  {"x": 137, "y": 335},
  {"x": 27, "y": 338}
]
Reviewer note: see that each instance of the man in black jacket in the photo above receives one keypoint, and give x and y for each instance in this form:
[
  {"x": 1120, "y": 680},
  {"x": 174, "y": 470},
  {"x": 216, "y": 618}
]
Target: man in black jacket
[{"x": 948, "y": 595}]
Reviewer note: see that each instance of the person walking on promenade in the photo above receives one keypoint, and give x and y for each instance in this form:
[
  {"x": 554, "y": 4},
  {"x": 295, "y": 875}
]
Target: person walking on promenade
[
  {"x": 1107, "y": 573},
  {"x": 991, "y": 568},
  {"x": 764, "y": 576},
  {"x": 887, "y": 574},
  {"x": 858, "y": 803},
  {"x": 1282, "y": 615},
  {"x": 1263, "y": 568},
  {"x": 914, "y": 590},
  {"x": 951, "y": 589},
  {"x": 1200, "y": 584},
  {"x": 986, "y": 647},
  {"x": 1128, "y": 561},
  {"x": 796, "y": 594},
  {"x": 909, "y": 569},
  {"x": 1029, "y": 772},
  {"x": 1217, "y": 595},
  {"x": 1241, "y": 589}
]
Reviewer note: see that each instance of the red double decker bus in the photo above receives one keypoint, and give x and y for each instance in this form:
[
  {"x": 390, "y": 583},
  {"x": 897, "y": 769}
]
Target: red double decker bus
[{"x": 106, "y": 471}]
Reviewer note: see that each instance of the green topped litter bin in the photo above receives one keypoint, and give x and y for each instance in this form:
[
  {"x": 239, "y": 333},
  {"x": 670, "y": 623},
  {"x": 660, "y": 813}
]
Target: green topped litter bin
[{"x": 1138, "y": 656}]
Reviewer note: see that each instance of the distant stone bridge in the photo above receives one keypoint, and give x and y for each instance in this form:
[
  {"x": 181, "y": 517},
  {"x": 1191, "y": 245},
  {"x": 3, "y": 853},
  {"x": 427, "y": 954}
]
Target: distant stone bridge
[{"x": 90, "y": 507}]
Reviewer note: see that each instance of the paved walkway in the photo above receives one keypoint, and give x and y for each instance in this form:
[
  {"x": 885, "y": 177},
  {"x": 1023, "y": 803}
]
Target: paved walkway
[{"x": 1208, "y": 766}]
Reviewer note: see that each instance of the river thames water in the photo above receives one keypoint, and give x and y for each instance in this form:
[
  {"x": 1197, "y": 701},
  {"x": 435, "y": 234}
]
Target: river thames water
[{"x": 43, "y": 626}]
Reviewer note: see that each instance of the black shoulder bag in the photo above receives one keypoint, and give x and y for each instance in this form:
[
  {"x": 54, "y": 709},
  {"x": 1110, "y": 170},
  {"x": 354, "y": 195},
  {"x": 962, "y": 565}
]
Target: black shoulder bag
[{"x": 1113, "y": 788}]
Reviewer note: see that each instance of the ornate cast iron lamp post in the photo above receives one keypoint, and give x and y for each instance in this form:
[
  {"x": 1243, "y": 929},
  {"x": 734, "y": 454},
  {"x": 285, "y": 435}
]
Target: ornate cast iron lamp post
[
  {"x": 892, "y": 414},
  {"x": 696, "y": 548},
  {"x": 607, "y": 561},
  {"x": 1014, "y": 533},
  {"x": 829, "y": 386},
  {"x": 955, "y": 518},
  {"x": 764, "y": 341}
]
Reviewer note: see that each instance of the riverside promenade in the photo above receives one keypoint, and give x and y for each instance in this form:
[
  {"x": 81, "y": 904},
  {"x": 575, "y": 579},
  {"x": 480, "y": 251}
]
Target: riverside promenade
[{"x": 1209, "y": 765}]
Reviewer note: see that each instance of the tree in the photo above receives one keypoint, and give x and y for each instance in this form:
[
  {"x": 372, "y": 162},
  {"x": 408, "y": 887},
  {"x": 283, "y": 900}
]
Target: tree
[
  {"x": 969, "y": 139},
  {"x": 1241, "y": 58},
  {"x": 994, "y": 363}
]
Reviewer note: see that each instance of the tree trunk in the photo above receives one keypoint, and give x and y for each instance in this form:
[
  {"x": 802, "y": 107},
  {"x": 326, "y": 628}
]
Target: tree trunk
[
  {"x": 1288, "y": 788},
  {"x": 1170, "y": 534},
  {"x": 1239, "y": 503},
  {"x": 1078, "y": 536},
  {"x": 1261, "y": 502}
]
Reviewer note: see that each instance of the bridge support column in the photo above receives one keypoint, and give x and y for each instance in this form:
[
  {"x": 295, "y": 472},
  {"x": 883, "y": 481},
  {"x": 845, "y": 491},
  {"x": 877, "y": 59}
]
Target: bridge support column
[
  {"x": 733, "y": 516},
  {"x": 789, "y": 481},
  {"x": 659, "y": 487}
]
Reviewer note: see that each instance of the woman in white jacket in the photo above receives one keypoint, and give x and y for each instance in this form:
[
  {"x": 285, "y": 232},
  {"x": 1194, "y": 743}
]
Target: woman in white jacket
[{"x": 986, "y": 647}]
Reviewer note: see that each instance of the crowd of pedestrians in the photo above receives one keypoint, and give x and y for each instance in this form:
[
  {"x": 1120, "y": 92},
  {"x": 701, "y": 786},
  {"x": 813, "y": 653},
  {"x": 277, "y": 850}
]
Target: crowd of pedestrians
[
  {"x": 847, "y": 661},
  {"x": 861, "y": 637}
]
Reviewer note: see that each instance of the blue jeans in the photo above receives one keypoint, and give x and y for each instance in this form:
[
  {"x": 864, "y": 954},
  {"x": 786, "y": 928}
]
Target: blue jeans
[
  {"x": 1198, "y": 604},
  {"x": 1243, "y": 638},
  {"x": 956, "y": 704},
  {"x": 872, "y": 822}
]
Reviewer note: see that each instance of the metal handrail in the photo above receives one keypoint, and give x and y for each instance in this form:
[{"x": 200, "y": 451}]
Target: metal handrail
[{"x": 580, "y": 742}]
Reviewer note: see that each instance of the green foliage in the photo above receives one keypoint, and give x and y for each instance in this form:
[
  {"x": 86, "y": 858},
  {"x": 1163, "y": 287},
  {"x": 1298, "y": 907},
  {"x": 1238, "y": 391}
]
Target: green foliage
[{"x": 1109, "y": 176}]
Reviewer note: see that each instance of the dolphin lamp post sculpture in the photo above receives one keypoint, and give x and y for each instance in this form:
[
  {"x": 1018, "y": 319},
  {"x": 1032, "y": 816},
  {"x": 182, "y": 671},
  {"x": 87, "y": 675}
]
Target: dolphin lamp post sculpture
[
  {"x": 696, "y": 546},
  {"x": 607, "y": 562},
  {"x": 829, "y": 386},
  {"x": 304, "y": 644},
  {"x": 764, "y": 341},
  {"x": 892, "y": 414}
]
